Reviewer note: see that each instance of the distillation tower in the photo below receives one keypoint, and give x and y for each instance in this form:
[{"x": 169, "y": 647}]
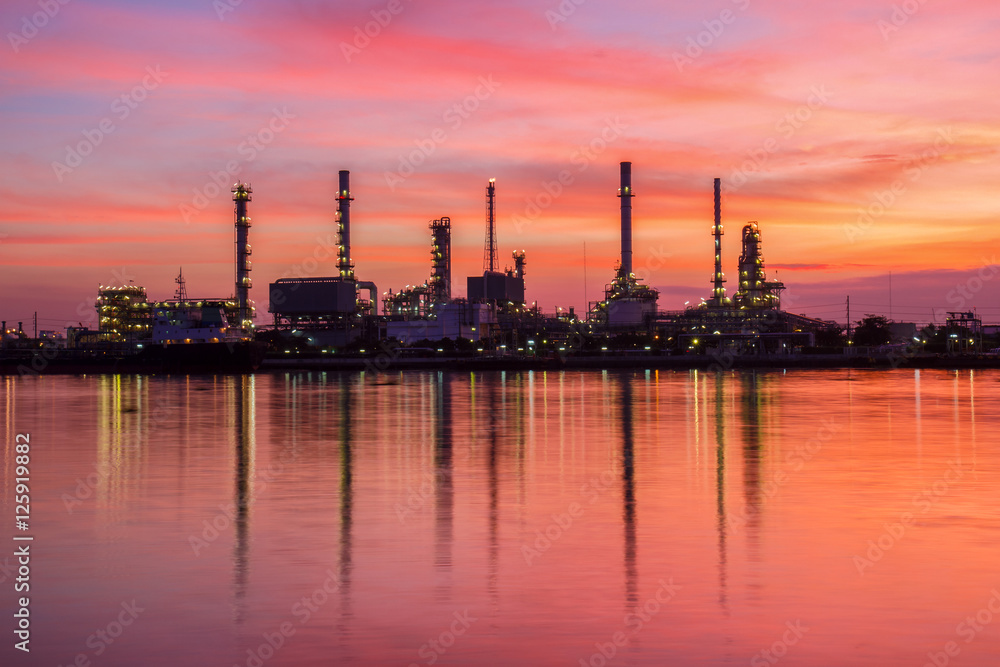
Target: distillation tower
[
  {"x": 756, "y": 292},
  {"x": 242, "y": 195}
]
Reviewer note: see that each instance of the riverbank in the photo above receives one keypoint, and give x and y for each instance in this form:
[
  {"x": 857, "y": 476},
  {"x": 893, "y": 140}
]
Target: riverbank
[{"x": 69, "y": 364}]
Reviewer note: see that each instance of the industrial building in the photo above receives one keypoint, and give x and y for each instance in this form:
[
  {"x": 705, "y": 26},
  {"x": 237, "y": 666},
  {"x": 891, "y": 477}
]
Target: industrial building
[
  {"x": 332, "y": 310},
  {"x": 331, "y": 306},
  {"x": 502, "y": 288},
  {"x": 338, "y": 310},
  {"x": 123, "y": 313},
  {"x": 127, "y": 319},
  {"x": 627, "y": 304}
]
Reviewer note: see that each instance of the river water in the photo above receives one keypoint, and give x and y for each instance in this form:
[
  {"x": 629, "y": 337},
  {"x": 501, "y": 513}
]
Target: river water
[{"x": 827, "y": 517}]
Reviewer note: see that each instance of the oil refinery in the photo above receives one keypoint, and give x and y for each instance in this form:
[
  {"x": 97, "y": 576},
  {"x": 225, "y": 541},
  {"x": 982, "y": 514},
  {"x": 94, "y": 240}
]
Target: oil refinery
[{"x": 338, "y": 316}]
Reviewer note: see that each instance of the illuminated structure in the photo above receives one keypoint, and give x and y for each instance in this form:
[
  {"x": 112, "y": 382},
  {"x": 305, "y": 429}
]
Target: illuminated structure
[
  {"x": 428, "y": 311},
  {"x": 440, "y": 282},
  {"x": 241, "y": 195},
  {"x": 719, "y": 299},
  {"x": 755, "y": 291},
  {"x": 421, "y": 300},
  {"x": 197, "y": 321},
  {"x": 329, "y": 302},
  {"x": 626, "y": 303},
  {"x": 490, "y": 251},
  {"x": 502, "y": 288},
  {"x": 963, "y": 333},
  {"x": 344, "y": 264},
  {"x": 124, "y": 314}
]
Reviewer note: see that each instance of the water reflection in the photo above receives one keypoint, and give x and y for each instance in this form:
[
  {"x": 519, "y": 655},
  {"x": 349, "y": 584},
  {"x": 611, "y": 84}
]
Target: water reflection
[
  {"x": 628, "y": 493},
  {"x": 752, "y": 400},
  {"x": 444, "y": 489},
  {"x": 493, "y": 474},
  {"x": 720, "y": 486},
  {"x": 123, "y": 422},
  {"x": 344, "y": 560},
  {"x": 532, "y": 443},
  {"x": 244, "y": 402}
]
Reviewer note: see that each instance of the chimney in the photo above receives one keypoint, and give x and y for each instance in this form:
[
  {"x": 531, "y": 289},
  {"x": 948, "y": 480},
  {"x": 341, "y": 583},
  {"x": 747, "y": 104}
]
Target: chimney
[
  {"x": 344, "y": 199},
  {"x": 242, "y": 194},
  {"x": 625, "y": 193},
  {"x": 718, "y": 289}
]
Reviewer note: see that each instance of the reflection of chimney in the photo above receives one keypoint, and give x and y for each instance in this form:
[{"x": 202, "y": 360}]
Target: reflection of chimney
[
  {"x": 344, "y": 200},
  {"x": 625, "y": 193}
]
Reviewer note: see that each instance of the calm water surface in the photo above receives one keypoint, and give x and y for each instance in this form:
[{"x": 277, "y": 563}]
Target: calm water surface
[{"x": 680, "y": 518}]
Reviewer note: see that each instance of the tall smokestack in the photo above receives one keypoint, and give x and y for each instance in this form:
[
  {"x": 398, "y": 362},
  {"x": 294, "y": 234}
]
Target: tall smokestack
[
  {"x": 718, "y": 290},
  {"x": 344, "y": 199},
  {"x": 625, "y": 193},
  {"x": 242, "y": 195},
  {"x": 490, "y": 253}
]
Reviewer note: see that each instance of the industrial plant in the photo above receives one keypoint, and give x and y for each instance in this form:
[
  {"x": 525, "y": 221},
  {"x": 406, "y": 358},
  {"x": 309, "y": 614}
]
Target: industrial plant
[{"x": 337, "y": 316}]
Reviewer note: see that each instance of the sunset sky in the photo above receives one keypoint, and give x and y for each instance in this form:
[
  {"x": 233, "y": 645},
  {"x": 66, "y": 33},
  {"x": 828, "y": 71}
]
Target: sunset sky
[{"x": 861, "y": 135}]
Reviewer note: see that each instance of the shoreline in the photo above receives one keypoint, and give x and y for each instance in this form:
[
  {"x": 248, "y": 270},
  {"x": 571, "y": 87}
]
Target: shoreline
[{"x": 18, "y": 366}]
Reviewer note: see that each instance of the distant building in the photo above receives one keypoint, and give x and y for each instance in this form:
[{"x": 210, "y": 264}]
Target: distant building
[
  {"x": 123, "y": 313},
  {"x": 195, "y": 321},
  {"x": 458, "y": 319}
]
